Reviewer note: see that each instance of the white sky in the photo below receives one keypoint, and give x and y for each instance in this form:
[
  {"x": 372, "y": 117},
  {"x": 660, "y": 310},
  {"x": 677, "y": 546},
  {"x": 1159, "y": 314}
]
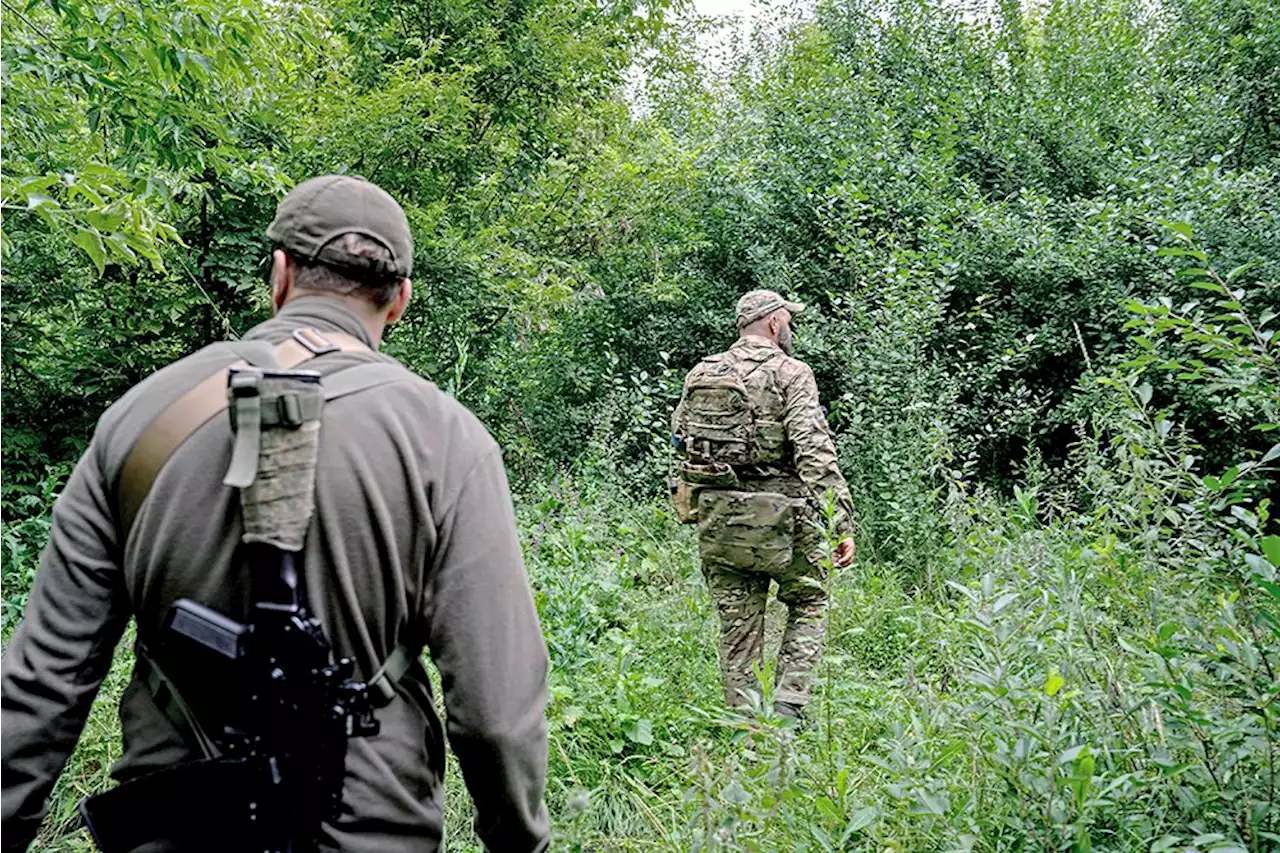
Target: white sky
[
  {"x": 723, "y": 7},
  {"x": 750, "y": 8},
  {"x": 713, "y": 46}
]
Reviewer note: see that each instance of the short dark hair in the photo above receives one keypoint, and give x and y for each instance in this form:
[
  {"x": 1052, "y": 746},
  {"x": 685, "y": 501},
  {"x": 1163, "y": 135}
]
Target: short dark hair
[{"x": 317, "y": 275}]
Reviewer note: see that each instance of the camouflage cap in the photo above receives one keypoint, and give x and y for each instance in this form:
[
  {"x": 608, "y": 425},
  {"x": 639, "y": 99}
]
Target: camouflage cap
[
  {"x": 320, "y": 210},
  {"x": 758, "y": 304}
]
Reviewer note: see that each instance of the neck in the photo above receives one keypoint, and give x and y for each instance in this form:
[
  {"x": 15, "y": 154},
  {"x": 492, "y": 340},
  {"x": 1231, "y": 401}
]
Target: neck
[
  {"x": 373, "y": 319},
  {"x": 764, "y": 336}
]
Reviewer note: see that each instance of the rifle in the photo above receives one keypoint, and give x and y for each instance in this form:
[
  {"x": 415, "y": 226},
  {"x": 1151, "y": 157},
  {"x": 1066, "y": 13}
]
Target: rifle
[{"x": 273, "y": 772}]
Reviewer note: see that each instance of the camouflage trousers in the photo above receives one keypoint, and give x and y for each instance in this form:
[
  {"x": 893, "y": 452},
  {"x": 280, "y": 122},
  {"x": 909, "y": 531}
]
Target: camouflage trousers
[{"x": 740, "y": 598}]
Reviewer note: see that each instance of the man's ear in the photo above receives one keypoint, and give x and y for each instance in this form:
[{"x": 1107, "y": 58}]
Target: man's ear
[
  {"x": 281, "y": 279},
  {"x": 400, "y": 302}
]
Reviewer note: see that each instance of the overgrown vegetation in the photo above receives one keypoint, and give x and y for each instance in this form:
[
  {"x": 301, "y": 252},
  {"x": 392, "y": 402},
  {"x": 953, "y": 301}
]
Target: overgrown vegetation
[{"x": 1042, "y": 251}]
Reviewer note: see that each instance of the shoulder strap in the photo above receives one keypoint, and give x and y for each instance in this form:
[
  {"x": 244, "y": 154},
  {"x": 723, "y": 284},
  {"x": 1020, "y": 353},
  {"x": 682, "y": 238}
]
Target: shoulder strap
[
  {"x": 362, "y": 377},
  {"x": 756, "y": 365},
  {"x": 192, "y": 410},
  {"x": 255, "y": 353},
  {"x": 384, "y": 681}
]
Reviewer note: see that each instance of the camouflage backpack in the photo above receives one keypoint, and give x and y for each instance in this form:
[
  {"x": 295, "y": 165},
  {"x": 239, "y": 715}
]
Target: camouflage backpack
[{"x": 718, "y": 422}]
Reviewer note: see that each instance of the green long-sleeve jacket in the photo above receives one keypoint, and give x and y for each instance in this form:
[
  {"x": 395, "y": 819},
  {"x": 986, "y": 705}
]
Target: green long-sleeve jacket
[{"x": 413, "y": 542}]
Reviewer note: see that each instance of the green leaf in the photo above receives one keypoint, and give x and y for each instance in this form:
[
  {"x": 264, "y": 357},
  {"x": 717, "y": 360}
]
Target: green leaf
[
  {"x": 35, "y": 184},
  {"x": 1054, "y": 682},
  {"x": 1171, "y": 769},
  {"x": 828, "y": 808},
  {"x": 1184, "y": 253},
  {"x": 1183, "y": 229},
  {"x": 120, "y": 248},
  {"x": 1081, "y": 776},
  {"x": 1240, "y": 270},
  {"x": 928, "y": 802},
  {"x": 861, "y": 819},
  {"x": 1003, "y": 601},
  {"x": 1271, "y": 547},
  {"x": 86, "y": 192},
  {"x": 640, "y": 732},
  {"x": 735, "y": 793},
  {"x": 1273, "y": 453},
  {"x": 1259, "y": 565},
  {"x": 1271, "y": 589},
  {"x": 1144, "y": 393},
  {"x": 91, "y": 241}
]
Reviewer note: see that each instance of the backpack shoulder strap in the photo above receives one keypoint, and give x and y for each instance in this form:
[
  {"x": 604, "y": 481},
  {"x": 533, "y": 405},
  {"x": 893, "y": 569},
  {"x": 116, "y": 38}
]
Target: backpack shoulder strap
[
  {"x": 164, "y": 435},
  {"x": 362, "y": 377},
  {"x": 756, "y": 365},
  {"x": 712, "y": 366},
  {"x": 255, "y": 353}
]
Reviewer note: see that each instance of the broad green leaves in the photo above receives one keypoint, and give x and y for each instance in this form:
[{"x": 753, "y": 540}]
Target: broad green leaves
[
  {"x": 104, "y": 213},
  {"x": 115, "y": 107}
]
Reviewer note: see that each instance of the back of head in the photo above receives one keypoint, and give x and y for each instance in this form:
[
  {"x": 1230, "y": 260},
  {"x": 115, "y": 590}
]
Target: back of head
[
  {"x": 343, "y": 280},
  {"x": 756, "y": 306},
  {"x": 346, "y": 235}
]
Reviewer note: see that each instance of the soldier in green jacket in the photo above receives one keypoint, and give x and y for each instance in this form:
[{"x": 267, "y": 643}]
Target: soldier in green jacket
[
  {"x": 760, "y": 461},
  {"x": 412, "y": 545}
]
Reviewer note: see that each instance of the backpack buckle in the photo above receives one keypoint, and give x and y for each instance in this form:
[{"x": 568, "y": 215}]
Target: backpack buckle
[{"x": 315, "y": 343}]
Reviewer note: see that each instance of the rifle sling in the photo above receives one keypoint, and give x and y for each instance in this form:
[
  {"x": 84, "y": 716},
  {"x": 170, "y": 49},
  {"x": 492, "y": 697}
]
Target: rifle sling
[
  {"x": 384, "y": 681},
  {"x": 164, "y": 435}
]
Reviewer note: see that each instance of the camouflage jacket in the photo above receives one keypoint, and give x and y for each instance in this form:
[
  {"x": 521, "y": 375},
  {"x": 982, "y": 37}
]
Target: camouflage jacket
[{"x": 783, "y": 391}]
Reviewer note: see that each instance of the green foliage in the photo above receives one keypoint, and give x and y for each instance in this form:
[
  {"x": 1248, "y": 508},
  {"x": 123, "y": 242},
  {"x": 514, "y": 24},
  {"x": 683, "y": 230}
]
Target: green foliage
[{"x": 1041, "y": 251}]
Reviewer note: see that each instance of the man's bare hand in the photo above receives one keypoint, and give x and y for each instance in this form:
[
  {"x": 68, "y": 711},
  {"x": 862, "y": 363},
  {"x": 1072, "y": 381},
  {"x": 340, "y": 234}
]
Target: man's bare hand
[{"x": 843, "y": 554}]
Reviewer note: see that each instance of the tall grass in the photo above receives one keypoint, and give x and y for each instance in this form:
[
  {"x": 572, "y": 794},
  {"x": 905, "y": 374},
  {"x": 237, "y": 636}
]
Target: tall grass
[{"x": 1057, "y": 691}]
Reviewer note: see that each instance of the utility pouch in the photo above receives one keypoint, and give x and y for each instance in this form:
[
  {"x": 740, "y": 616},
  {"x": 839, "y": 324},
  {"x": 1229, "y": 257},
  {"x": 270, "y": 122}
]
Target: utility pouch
[
  {"x": 684, "y": 498},
  {"x": 746, "y": 531},
  {"x": 276, "y": 417},
  {"x": 715, "y": 475}
]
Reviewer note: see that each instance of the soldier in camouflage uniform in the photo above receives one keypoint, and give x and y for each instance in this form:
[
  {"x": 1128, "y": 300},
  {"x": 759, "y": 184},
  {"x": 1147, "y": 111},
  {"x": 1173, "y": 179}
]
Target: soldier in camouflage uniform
[{"x": 758, "y": 470}]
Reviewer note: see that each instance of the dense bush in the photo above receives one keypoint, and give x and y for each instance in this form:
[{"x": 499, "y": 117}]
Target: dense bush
[{"x": 1041, "y": 248}]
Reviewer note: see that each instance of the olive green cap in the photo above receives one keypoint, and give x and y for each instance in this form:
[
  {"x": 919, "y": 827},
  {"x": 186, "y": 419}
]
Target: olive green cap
[
  {"x": 320, "y": 210},
  {"x": 757, "y": 304}
]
